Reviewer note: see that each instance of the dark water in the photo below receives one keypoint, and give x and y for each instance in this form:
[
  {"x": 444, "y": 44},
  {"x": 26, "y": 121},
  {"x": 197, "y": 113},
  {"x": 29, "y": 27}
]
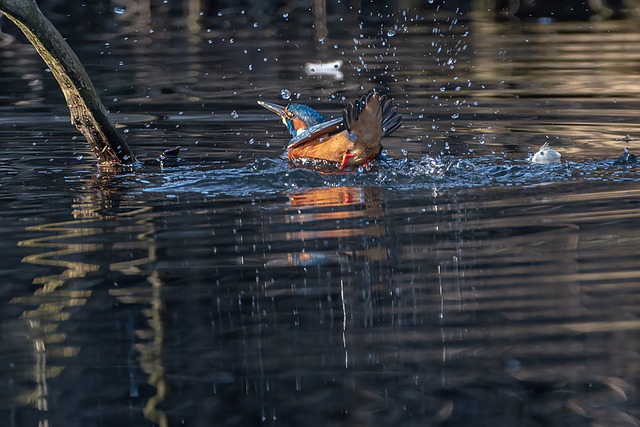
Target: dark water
[{"x": 455, "y": 284}]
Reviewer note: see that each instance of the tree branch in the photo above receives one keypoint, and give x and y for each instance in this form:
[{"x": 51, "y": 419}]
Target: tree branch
[{"x": 88, "y": 114}]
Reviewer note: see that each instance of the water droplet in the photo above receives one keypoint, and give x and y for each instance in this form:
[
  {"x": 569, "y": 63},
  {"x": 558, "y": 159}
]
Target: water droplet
[
  {"x": 285, "y": 16},
  {"x": 234, "y": 114},
  {"x": 118, "y": 10},
  {"x": 285, "y": 94},
  {"x": 391, "y": 32}
]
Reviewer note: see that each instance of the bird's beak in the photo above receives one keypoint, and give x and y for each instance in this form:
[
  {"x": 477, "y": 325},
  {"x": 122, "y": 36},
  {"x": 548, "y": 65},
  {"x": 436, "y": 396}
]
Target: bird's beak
[{"x": 274, "y": 108}]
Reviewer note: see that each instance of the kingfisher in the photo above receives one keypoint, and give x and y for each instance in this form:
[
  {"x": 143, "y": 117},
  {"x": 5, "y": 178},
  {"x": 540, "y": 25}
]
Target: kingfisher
[{"x": 351, "y": 140}]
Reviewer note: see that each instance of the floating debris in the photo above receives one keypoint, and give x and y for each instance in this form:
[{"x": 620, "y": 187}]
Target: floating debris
[
  {"x": 546, "y": 155},
  {"x": 329, "y": 69}
]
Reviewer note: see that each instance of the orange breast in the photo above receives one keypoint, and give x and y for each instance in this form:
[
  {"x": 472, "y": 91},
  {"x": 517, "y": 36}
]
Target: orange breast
[{"x": 331, "y": 149}]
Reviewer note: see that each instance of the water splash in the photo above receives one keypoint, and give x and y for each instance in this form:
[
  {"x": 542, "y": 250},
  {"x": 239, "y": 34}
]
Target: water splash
[
  {"x": 285, "y": 94},
  {"x": 545, "y": 155},
  {"x": 274, "y": 176}
]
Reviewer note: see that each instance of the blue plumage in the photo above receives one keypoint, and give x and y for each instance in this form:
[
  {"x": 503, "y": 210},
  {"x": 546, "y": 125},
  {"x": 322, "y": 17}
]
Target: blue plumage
[{"x": 304, "y": 113}]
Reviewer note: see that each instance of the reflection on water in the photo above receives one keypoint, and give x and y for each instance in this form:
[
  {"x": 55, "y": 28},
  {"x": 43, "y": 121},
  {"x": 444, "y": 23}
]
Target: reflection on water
[
  {"x": 453, "y": 283},
  {"x": 80, "y": 249}
]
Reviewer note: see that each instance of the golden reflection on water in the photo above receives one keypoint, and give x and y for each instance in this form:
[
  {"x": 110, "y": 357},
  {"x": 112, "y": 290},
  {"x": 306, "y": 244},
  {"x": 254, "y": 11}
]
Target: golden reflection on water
[
  {"x": 54, "y": 303},
  {"x": 43, "y": 321}
]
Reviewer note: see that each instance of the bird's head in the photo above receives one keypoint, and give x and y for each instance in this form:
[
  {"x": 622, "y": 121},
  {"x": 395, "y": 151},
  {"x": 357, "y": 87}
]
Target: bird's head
[{"x": 296, "y": 117}]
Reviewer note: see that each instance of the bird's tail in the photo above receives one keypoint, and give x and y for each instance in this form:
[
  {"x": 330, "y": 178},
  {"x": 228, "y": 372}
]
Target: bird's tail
[{"x": 372, "y": 114}]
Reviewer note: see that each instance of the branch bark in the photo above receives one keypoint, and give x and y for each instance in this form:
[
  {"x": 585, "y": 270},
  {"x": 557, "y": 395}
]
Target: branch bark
[{"x": 88, "y": 114}]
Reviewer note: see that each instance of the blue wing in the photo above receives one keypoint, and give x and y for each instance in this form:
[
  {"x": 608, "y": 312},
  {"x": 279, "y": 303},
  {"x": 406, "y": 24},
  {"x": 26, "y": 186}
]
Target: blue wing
[{"x": 317, "y": 132}]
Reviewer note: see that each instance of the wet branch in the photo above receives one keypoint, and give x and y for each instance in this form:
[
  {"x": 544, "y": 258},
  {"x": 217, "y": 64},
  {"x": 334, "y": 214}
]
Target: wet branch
[{"x": 87, "y": 112}]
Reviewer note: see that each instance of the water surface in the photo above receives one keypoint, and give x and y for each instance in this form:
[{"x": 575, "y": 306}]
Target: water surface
[{"x": 454, "y": 284}]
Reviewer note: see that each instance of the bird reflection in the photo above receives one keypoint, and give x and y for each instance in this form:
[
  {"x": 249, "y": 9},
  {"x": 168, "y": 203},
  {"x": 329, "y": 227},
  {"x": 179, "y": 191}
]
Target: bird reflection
[{"x": 339, "y": 213}]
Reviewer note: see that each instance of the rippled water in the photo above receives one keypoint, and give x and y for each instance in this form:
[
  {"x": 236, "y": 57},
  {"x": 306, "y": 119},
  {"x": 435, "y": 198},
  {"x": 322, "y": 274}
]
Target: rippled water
[{"x": 454, "y": 284}]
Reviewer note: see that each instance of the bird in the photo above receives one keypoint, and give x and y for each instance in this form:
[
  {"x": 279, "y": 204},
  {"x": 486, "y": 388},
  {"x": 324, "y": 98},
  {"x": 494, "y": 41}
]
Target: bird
[{"x": 351, "y": 140}]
